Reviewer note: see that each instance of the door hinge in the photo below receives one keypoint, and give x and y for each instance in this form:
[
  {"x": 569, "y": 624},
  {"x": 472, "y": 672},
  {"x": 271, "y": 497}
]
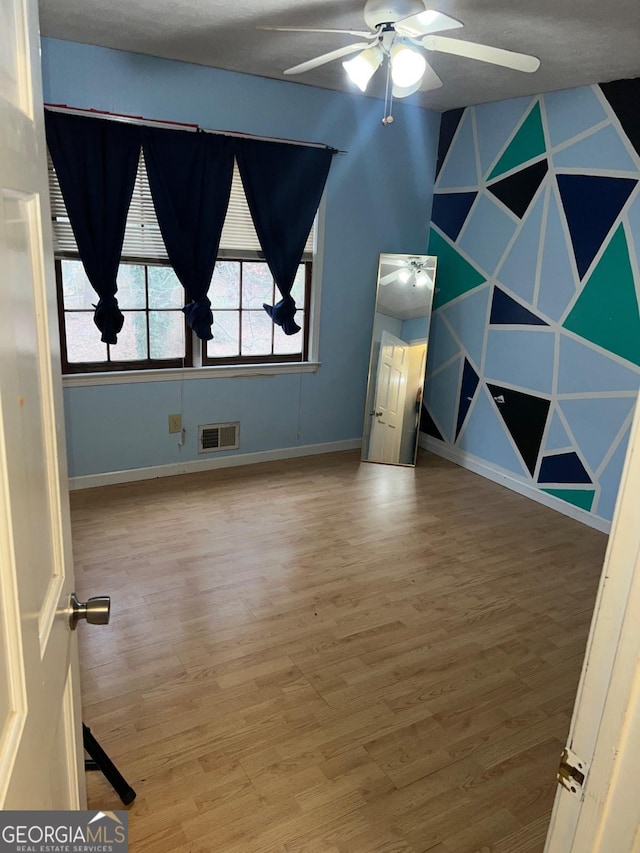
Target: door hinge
[{"x": 572, "y": 773}]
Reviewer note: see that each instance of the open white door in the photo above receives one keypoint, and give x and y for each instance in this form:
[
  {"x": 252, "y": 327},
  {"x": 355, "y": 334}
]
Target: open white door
[
  {"x": 602, "y": 811},
  {"x": 40, "y": 726},
  {"x": 390, "y": 394}
]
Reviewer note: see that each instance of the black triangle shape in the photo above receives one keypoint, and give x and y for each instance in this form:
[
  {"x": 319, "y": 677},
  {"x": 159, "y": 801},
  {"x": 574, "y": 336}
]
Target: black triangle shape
[
  {"x": 563, "y": 468},
  {"x": 517, "y": 190},
  {"x": 624, "y": 95},
  {"x": 450, "y": 211},
  {"x": 427, "y": 425},
  {"x": 525, "y": 417},
  {"x": 448, "y": 125},
  {"x": 591, "y": 206},
  {"x": 468, "y": 388},
  {"x": 506, "y": 311}
]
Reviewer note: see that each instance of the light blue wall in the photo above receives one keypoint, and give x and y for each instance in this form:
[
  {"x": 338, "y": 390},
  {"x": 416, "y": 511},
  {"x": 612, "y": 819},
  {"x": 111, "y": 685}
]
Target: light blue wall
[
  {"x": 534, "y": 361},
  {"x": 378, "y": 199}
]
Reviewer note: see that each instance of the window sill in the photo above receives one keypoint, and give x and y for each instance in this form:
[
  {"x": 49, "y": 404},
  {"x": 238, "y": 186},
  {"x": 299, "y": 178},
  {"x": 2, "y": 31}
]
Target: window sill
[{"x": 127, "y": 377}]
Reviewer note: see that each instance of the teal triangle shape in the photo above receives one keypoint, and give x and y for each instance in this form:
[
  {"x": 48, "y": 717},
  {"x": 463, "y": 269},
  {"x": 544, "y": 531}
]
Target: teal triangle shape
[
  {"x": 582, "y": 498},
  {"x": 460, "y": 166},
  {"x": 595, "y": 422},
  {"x": 602, "y": 150},
  {"x": 582, "y": 369},
  {"x": 441, "y": 398},
  {"x": 467, "y": 318},
  {"x": 495, "y": 122},
  {"x": 526, "y": 145},
  {"x": 606, "y": 312},
  {"x": 484, "y": 435},
  {"x": 455, "y": 274},
  {"x": 518, "y": 271}
]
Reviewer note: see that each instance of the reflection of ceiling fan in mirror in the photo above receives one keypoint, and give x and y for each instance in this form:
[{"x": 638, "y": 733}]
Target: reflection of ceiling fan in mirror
[
  {"x": 413, "y": 271},
  {"x": 397, "y": 31}
]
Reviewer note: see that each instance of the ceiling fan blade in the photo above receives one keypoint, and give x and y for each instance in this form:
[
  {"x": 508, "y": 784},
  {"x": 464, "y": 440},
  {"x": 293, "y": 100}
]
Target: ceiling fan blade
[
  {"x": 388, "y": 278},
  {"x": 424, "y": 23},
  {"x": 362, "y": 33},
  {"x": 328, "y": 57},
  {"x": 483, "y": 53}
]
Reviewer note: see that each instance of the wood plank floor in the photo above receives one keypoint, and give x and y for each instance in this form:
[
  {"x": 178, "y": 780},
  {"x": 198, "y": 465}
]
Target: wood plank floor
[{"x": 324, "y": 656}]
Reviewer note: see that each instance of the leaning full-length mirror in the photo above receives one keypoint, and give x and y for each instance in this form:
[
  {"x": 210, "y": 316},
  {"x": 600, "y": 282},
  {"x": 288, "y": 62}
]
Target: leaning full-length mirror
[{"x": 398, "y": 358}]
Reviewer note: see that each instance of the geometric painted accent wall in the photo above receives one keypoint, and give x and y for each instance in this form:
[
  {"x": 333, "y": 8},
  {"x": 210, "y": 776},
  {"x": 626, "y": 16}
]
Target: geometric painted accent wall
[{"x": 534, "y": 366}]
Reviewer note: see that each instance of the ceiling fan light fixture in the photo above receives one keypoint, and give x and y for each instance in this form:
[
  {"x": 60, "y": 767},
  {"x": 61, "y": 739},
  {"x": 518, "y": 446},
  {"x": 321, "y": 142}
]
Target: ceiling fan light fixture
[
  {"x": 363, "y": 66},
  {"x": 407, "y": 66},
  {"x": 404, "y": 275}
]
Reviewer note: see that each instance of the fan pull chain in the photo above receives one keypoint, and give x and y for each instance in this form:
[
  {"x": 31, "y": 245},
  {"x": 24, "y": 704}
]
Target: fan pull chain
[{"x": 388, "y": 99}]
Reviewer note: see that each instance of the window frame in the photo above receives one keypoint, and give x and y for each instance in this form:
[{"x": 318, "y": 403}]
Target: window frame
[{"x": 190, "y": 359}]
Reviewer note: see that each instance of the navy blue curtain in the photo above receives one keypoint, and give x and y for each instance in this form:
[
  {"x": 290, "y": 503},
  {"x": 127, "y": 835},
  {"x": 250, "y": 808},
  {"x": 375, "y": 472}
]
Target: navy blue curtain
[
  {"x": 283, "y": 184},
  {"x": 96, "y": 163},
  {"x": 190, "y": 178}
]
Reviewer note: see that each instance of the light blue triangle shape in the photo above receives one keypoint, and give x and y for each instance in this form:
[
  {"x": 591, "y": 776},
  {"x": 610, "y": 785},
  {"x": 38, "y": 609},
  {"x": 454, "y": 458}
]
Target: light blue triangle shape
[
  {"x": 518, "y": 272},
  {"x": 441, "y": 398},
  {"x": 557, "y": 283},
  {"x": 601, "y": 150},
  {"x": 609, "y": 480},
  {"x": 486, "y": 234},
  {"x": 441, "y": 346},
  {"x": 521, "y": 357},
  {"x": 595, "y": 422},
  {"x": 495, "y": 123},
  {"x": 484, "y": 435},
  {"x": 582, "y": 369},
  {"x": 557, "y": 437},
  {"x": 572, "y": 111},
  {"x": 634, "y": 219},
  {"x": 460, "y": 166},
  {"x": 467, "y": 318}
]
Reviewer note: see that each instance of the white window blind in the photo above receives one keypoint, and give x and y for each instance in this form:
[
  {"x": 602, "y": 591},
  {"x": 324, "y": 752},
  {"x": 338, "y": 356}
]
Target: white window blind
[{"x": 142, "y": 235}]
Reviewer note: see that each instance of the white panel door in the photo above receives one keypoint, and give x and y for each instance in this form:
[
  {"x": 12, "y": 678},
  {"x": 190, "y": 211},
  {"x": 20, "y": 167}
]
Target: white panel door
[
  {"x": 40, "y": 726},
  {"x": 390, "y": 395}
]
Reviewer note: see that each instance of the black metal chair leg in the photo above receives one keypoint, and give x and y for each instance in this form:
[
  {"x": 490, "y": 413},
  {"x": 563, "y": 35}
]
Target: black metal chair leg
[{"x": 101, "y": 761}]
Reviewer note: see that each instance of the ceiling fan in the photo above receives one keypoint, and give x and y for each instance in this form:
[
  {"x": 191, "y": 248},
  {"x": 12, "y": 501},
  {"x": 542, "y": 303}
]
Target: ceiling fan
[{"x": 396, "y": 29}]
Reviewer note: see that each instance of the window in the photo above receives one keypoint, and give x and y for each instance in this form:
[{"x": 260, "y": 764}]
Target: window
[{"x": 155, "y": 334}]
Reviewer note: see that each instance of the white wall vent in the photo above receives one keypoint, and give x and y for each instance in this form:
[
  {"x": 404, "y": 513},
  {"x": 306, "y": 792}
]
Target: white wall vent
[{"x": 212, "y": 437}]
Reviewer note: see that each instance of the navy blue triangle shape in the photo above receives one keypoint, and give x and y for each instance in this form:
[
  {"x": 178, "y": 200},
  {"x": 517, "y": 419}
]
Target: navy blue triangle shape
[
  {"x": 427, "y": 424},
  {"x": 525, "y": 416},
  {"x": 450, "y": 211},
  {"x": 506, "y": 311},
  {"x": 517, "y": 191},
  {"x": 563, "y": 468},
  {"x": 448, "y": 125},
  {"x": 467, "y": 391},
  {"x": 623, "y": 95},
  {"x": 591, "y": 205}
]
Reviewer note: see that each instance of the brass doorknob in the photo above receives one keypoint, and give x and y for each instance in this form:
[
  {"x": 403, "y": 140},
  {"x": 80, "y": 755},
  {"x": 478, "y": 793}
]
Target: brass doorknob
[{"x": 95, "y": 610}]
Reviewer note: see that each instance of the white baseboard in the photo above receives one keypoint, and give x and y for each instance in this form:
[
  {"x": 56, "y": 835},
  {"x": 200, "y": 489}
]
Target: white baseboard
[
  {"x": 479, "y": 466},
  {"x": 110, "y": 478}
]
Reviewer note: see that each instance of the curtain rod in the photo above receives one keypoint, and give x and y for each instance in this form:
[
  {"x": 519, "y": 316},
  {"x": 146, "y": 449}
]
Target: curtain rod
[{"x": 179, "y": 125}]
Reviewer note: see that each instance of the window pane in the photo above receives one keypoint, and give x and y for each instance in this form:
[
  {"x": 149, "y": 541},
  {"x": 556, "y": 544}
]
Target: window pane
[
  {"x": 130, "y": 286},
  {"x": 224, "y": 291},
  {"x": 226, "y": 335},
  {"x": 165, "y": 290},
  {"x": 256, "y": 333},
  {"x": 76, "y": 290},
  {"x": 288, "y": 344},
  {"x": 297, "y": 291},
  {"x": 83, "y": 339},
  {"x": 166, "y": 334},
  {"x": 257, "y": 285},
  {"x": 132, "y": 340}
]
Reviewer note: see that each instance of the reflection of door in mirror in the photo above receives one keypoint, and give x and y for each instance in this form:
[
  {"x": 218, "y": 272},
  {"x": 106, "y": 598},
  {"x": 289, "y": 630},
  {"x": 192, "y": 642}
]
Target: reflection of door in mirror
[{"x": 398, "y": 358}]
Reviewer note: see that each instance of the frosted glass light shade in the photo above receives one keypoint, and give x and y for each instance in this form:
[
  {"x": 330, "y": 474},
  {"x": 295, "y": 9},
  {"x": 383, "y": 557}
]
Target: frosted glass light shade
[
  {"x": 363, "y": 66},
  {"x": 407, "y": 66}
]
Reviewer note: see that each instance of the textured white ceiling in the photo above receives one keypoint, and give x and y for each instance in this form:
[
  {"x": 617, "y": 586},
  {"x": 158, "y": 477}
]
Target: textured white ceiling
[{"x": 577, "y": 41}]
